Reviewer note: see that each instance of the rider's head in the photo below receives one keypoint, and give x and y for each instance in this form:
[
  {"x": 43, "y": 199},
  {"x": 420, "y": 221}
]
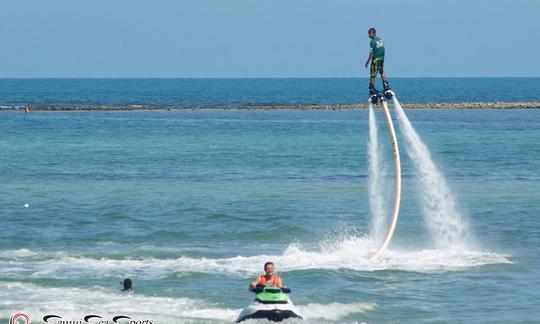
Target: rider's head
[
  {"x": 127, "y": 283},
  {"x": 372, "y": 32},
  {"x": 269, "y": 268}
]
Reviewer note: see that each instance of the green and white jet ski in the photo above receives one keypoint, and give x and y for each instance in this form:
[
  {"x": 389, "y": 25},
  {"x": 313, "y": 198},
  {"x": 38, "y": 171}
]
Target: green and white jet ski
[{"x": 271, "y": 303}]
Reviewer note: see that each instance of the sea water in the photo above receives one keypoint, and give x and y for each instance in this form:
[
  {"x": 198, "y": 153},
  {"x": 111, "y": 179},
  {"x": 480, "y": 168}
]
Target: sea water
[
  {"x": 188, "y": 92},
  {"x": 191, "y": 203}
]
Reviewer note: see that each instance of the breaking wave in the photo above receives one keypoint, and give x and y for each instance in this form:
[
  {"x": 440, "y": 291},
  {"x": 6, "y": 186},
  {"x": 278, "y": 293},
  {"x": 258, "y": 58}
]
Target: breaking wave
[
  {"x": 351, "y": 253},
  {"x": 73, "y": 303}
]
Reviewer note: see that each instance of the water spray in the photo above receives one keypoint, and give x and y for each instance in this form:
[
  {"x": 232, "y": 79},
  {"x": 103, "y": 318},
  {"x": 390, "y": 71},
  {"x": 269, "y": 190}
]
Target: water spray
[
  {"x": 376, "y": 177},
  {"x": 447, "y": 226},
  {"x": 397, "y": 173}
]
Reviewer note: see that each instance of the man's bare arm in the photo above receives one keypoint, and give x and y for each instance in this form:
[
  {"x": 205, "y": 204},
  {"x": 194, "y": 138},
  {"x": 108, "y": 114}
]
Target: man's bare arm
[
  {"x": 254, "y": 284},
  {"x": 368, "y": 59}
]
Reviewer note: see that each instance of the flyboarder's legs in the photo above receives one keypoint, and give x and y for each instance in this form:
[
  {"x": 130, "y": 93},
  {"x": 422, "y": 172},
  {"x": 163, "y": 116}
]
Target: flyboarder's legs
[
  {"x": 373, "y": 71},
  {"x": 385, "y": 84},
  {"x": 372, "y": 89},
  {"x": 377, "y": 67},
  {"x": 387, "y": 92}
]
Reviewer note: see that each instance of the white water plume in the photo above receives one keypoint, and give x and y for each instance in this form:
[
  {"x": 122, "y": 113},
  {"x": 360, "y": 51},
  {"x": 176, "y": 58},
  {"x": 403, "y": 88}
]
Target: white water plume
[
  {"x": 447, "y": 226},
  {"x": 376, "y": 177}
]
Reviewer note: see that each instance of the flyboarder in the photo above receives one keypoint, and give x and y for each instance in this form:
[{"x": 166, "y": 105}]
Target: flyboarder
[{"x": 376, "y": 56}]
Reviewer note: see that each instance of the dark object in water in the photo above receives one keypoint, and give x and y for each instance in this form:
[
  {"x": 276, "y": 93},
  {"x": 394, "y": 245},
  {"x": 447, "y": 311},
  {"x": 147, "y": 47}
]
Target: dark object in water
[{"x": 127, "y": 283}]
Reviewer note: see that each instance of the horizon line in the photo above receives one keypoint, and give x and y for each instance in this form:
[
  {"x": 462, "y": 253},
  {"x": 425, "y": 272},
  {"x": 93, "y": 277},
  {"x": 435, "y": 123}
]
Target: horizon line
[{"x": 271, "y": 77}]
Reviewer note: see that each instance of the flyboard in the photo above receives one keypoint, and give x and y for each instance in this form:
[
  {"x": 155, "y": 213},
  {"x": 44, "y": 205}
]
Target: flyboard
[{"x": 397, "y": 168}]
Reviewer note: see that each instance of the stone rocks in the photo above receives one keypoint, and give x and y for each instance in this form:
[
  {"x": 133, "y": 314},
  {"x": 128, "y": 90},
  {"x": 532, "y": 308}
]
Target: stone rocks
[{"x": 254, "y": 106}]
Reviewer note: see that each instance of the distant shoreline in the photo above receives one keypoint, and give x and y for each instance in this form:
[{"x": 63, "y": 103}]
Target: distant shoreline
[{"x": 427, "y": 105}]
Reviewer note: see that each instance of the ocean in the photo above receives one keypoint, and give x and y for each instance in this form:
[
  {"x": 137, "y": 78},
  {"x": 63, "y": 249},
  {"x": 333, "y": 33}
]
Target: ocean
[
  {"x": 193, "y": 92},
  {"x": 189, "y": 204}
]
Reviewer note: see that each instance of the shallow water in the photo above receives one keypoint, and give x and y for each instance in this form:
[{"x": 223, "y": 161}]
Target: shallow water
[{"x": 190, "y": 204}]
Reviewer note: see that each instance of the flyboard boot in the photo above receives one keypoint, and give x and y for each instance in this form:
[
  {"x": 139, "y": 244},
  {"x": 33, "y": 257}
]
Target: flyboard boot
[
  {"x": 373, "y": 94},
  {"x": 387, "y": 91}
]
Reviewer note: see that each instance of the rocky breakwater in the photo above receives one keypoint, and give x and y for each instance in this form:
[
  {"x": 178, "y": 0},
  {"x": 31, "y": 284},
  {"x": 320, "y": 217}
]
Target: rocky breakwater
[{"x": 254, "y": 106}]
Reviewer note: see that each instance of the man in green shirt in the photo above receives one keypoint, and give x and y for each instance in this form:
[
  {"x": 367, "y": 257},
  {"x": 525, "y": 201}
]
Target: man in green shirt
[{"x": 376, "y": 56}]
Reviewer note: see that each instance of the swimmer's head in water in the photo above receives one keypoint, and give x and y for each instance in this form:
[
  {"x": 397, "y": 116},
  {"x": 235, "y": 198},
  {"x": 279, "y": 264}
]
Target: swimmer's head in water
[{"x": 127, "y": 283}]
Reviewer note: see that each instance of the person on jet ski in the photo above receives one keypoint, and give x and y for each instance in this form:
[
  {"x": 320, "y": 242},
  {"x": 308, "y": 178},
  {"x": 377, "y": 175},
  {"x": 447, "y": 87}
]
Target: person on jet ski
[{"x": 269, "y": 278}]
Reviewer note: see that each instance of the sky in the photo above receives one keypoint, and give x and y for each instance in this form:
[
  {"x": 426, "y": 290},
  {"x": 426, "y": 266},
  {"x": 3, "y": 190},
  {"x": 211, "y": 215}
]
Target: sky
[{"x": 267, "y": 38}]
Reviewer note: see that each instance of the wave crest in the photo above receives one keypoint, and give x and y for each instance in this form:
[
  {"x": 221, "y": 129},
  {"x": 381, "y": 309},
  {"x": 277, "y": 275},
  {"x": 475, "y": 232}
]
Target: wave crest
[{"x": 352, "y": 254}]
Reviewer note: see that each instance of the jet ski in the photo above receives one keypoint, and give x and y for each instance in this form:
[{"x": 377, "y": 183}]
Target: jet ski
[{"x": 271, "y": 303}]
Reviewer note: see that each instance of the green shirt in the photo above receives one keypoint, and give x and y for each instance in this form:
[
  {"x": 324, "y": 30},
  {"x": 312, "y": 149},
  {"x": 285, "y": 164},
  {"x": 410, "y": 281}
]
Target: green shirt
[{"x": 377, "y": 47}]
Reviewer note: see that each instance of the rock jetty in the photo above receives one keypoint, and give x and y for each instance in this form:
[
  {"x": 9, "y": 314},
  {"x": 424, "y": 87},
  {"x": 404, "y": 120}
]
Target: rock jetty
[{"x": 254, "y": 106}]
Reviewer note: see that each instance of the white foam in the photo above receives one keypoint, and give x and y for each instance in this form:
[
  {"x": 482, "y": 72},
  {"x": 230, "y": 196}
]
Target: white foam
[
  {"x": 73, "y": 303},
  {"x": 333, "y": 311},
  {"x": 347, "y": 253},
  {"x": 18, "y": 253}
]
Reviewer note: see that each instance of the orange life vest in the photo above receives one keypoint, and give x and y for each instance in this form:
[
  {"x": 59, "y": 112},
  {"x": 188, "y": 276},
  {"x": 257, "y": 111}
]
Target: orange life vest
[{"x": 276, "y": 280}]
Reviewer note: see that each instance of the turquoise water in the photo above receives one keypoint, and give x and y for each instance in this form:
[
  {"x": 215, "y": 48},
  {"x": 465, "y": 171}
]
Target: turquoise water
[
  {"x": 190, "y": 204},
  {"x": 188, "y": 92}
]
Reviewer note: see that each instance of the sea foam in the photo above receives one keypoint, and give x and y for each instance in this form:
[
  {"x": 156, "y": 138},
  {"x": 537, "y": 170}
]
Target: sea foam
[
  {"x": 73, "y": 303},
  {"x": 352, "y": 253}
]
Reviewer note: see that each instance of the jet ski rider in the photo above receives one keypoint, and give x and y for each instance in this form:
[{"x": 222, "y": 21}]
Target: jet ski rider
[{"x": 269, "y": 278}]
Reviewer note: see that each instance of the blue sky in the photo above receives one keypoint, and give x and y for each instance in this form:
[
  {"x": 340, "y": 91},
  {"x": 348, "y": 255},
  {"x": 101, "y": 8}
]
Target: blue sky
[{"x": 267, "y": 38}]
